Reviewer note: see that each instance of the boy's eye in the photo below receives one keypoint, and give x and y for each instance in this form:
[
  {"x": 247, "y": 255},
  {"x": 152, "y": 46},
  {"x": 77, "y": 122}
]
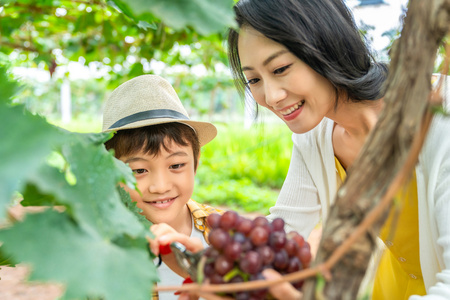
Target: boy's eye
[
  {"x": 281, "y": 70},
  {"x": 176, "y": 166},
  {"x": 139, "y": 171}
]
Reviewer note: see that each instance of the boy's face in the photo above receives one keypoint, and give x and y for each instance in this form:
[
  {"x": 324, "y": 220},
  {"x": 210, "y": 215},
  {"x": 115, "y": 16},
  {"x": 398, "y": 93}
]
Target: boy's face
[{"x": 166, "y": 182}]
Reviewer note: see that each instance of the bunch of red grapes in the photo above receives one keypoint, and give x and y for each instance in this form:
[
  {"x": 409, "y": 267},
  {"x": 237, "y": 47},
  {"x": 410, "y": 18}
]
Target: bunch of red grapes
[{"x": 240, "y": 249}]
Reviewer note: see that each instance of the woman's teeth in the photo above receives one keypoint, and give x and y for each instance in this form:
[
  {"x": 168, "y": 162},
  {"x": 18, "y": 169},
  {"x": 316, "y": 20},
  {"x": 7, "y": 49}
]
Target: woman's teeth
[{"x": 291, "y": 109}]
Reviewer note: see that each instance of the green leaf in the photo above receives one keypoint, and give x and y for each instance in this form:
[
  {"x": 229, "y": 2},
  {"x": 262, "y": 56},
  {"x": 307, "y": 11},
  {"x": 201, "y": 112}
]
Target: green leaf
[
  {"x": 320, "y": 287},
  {"x": 32, "y": 196},
  {"x": 93, "y": 201},
  {"x": 8, "y": 87},
  {"x": 5, "y": 260},
  {"x": 439, "y": 110},
  {"x": 88, "y": 264},
  {"x": 205, "y": 16},
  {"x": 28, "y": 140},
  {"x": 126, "y": 199}
]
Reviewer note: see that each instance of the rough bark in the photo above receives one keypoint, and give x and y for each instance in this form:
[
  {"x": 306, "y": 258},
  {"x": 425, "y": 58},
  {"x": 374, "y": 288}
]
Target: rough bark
[{"x": 386, "y": 149}]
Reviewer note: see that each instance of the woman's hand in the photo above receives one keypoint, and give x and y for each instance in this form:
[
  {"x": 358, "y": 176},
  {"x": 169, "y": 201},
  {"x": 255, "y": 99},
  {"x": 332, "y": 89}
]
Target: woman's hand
[
  {"x": 165, "y": 234},
  {"x": 282, "y": 291}
]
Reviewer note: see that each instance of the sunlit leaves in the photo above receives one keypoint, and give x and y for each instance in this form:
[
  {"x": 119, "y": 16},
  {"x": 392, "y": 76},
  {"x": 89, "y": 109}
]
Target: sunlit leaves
[
  {"x": 41, "y": 32},
  {"x": 205, "y": 16}
]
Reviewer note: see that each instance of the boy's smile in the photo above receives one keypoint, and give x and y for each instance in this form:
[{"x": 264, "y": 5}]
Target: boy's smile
[
  {"x": 162, "y": 201},
  {"x": 166, "y": 183}
]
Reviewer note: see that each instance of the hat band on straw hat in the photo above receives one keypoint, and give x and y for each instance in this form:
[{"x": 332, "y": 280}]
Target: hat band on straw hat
[{"x": 149, "y": 114}]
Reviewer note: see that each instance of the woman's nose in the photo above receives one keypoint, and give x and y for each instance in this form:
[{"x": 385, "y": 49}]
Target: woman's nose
[{"x": 274, "y": 94}]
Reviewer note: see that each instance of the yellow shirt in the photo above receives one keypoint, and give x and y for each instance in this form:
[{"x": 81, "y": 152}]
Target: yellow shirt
[{"x": 399, "y": 274}]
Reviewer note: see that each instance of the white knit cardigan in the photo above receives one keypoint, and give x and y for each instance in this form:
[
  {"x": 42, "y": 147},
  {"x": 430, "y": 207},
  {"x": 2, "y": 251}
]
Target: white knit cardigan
[{"x": 312, "y": 182}]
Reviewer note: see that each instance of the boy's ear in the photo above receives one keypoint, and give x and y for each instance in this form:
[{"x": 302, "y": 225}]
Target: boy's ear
[{"x": 198, "y": 162}]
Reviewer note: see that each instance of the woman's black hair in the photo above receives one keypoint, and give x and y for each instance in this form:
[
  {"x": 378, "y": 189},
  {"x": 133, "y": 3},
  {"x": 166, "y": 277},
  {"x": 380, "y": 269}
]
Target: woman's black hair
[{"x": 321, "y": 33}]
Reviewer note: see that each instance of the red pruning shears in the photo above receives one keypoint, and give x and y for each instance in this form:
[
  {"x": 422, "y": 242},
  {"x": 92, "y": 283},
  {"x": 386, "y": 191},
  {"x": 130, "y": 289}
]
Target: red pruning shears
[{"x": 187, "y": 260}]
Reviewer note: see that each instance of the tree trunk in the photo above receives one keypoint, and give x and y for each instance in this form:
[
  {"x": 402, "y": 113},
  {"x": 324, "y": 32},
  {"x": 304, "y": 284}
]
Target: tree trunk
[{"x": 387, "y": 147}]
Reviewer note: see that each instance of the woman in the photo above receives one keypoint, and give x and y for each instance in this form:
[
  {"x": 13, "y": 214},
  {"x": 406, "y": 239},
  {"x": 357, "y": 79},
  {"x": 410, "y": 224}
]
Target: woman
[{"x": 305, "y": 61}]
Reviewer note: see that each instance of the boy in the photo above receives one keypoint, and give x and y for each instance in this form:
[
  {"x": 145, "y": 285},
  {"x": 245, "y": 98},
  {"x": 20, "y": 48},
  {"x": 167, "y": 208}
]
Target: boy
[{"x": 159, "y": 142}]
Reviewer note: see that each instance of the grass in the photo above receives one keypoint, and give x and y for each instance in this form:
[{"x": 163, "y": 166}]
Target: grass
[{"x": 244, "y": 168}]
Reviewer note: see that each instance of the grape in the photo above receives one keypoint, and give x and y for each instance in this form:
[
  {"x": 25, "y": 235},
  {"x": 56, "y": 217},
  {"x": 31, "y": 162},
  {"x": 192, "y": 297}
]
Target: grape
[
  {"x": 239, "y": 238},
  {"x": 244, "y": 226},
  {"x": 278, "y": 239},
  {"x": 294, "y": 265},
  {"x": 281, "y": 260},
  {"x": 209, "y": 269},
  {"x": 266, "y": 253},
  {"x": 261, "y": 293},
  {"x": 228, "y": 220},
  {"x": 259, "y": 236},
  {"x": 247, "y": 246},
  {"x": 304, "y": 254},
  {"x": 216, "y": 279},
  {"x": 278, "y": 224},
  {"x": 260, "y": 221},
  {"x": 251, "y": 262},
  {"x": 236, "y": 279},
  {"x": 223, "y": 265},
  {"x": 295, "y": 236},
  {"x": 240, "y": 249},
  {"x": 242, "y": 295},
  {"x": 211, "y": 252},
  {"x": 291, "y": 247},
  {"x": 213, "y": 220},
  {"x": 233, "y": 250},
  {"x": 219, "y": 238}
]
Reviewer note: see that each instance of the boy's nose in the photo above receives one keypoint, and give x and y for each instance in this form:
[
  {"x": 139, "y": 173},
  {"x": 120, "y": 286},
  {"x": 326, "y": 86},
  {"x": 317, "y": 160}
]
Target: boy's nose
[{"x": 159, "y": 184}]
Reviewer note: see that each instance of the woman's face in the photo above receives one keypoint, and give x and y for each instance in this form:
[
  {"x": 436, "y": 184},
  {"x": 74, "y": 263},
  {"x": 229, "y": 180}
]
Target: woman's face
[{"x": 283, "y": 83}]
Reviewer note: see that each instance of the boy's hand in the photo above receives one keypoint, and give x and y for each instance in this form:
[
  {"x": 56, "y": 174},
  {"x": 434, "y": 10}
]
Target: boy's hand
[{"x": 165, "y": 234}]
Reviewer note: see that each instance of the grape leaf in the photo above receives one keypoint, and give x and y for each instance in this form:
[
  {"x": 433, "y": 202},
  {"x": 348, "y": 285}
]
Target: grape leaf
[
  {"x": 28, "y": 140},
  {"x": 87, "y": 263},
  {"x": 93, "y": 201},
  {"x": 205, "y": 16},
  {"x": 126, "y": 199}
]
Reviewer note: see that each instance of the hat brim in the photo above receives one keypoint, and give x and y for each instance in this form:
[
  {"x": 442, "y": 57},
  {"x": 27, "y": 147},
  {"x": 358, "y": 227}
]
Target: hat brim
[{"x": 206, "y": 131}]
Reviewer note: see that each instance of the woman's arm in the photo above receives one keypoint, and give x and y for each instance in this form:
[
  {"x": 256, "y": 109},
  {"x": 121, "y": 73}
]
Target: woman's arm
[{"x": 298, "y": 203}]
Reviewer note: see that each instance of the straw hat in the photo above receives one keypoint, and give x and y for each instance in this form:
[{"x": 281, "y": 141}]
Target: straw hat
[{"x": 150, "y": 100}]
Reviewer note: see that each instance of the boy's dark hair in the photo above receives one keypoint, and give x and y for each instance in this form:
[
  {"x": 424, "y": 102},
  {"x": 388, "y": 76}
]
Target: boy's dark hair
[
  {"x": 321, "y": 33},
  {"x": 150, "y": 139}
]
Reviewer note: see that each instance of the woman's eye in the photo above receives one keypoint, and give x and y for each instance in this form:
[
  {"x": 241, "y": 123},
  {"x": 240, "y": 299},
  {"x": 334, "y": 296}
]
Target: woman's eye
[
  {"x": 139, "y": 171},
  {"x": 176, "y": 166},
  {"x": 252, "y": 81},
  {"x": 281, "y": 70}
]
